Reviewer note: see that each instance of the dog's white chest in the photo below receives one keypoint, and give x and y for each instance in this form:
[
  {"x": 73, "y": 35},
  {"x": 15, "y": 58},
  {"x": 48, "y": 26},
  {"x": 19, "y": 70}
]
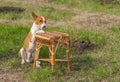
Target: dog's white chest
[{"x": 31, "y": 47}]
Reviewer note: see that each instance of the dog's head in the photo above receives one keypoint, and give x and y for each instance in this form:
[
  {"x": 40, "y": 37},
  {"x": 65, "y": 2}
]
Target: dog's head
[{"x": 40, "y": 21}]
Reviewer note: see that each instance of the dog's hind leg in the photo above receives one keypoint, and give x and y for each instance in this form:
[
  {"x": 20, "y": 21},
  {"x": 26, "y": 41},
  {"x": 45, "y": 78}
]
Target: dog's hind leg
[
  {"x": 28, "y": 57},
  {"x": 32, "y": 57},
  {"x": 23, "y": 55}
]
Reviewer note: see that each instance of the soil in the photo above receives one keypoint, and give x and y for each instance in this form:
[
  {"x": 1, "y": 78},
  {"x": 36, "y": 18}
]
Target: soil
[
  {"x": 8, "y": 9},
  {"x": 12, "y": 74},
  {"x": 83, "y": 19},
  {"x": 80, "y": 46}
]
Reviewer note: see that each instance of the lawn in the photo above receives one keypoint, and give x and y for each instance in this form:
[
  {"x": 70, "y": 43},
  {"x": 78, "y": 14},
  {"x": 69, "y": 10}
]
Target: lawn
[{"x": 95, "y": 51}]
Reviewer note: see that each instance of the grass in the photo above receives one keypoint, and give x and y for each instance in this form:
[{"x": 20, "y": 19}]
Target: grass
[
  {"x": 10, "y": 16},
  {"x": 94, "y": 36},
  {"x": 55, "y": 14},
  {"x": 100, "y": 64},
  {"x": 92, "y": 64},
  {"x": 12, "y": 62},
  {"x": 49, "y": 12},
  {"x": 39, "y": 75},
  {"x": 90, "y": 5},
  {"x": 11, "y": 36}
]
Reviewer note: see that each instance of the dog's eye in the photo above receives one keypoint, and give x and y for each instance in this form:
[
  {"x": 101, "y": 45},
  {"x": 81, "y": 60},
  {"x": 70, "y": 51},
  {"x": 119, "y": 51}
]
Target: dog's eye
[
  {"x": 41, "y": 21},
  {"x": 45, "y": 21}
]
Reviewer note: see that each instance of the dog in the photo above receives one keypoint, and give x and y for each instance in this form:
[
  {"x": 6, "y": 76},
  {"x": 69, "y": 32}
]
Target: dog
[{"x": 28, "y": 49}]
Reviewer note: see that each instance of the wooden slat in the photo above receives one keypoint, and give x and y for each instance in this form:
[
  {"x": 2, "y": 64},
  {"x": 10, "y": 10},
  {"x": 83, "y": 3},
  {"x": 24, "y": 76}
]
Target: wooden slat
[
  {"x": 43, "y": 59},
  {"x": 61, "y": 60},
  {"x": 58, "y": 60},
  {"x": 64, "y": 34},
  {"x": 53, "y": 34},
  {"x": 38, "y": 36},
  {"x": 46, "y": 35}
]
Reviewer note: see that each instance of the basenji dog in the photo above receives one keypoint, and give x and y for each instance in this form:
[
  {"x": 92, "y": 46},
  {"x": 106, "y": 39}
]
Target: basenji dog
[{"x": 28, "y": 49}]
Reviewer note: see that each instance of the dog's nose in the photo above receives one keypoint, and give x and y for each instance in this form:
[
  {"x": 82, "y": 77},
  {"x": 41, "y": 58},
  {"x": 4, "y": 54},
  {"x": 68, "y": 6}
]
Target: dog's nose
[{"x": 44, "y": 26}]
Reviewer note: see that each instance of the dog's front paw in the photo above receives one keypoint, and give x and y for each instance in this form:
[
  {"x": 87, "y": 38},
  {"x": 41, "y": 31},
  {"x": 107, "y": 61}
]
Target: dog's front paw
[
  {"x": 28, "y": 60},
  {"x": 38, "y": 64},
  {"x": 23, "y": 61},
  {"x": 40, "y": 31}
]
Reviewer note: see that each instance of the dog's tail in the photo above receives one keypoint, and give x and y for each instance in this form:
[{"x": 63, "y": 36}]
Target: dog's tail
[{"x": 19, "y": 54}]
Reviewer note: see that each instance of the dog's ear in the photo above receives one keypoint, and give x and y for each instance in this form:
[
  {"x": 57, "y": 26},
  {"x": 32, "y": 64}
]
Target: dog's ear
[
  {"x": 34, "y": 15},
  {"x": 45, "y": 17}
]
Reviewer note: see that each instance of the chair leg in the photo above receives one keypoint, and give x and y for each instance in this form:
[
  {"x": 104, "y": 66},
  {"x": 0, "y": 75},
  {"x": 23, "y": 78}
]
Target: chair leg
[
  {"x": 53, "y": 58},
  {"x": 68, "y": 59},
  {"x": 36, "y": 56},
  {"x": 68, "y": 66}
]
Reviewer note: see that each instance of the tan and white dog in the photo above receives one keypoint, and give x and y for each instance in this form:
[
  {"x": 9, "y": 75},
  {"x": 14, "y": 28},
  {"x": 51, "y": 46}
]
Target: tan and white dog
[{"x": 28, "y": 49}]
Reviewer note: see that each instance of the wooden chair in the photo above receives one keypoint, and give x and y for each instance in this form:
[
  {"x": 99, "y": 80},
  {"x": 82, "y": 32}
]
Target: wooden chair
[{"x": 52, "y": 40}]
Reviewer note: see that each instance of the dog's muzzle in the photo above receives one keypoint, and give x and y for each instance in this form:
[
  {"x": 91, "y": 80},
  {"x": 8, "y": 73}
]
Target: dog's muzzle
[{"x": 44, "y": 27}]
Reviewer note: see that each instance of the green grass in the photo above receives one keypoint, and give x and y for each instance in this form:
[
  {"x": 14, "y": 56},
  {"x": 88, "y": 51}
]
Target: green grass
[
  {"x": 90, "y": 5},
  {"x": 94, "y": 66},
  {"x": 39, "y": 75},
  {"x": 55, "y": 14},
  {"x": 101, "y": 71},
  {"x": 12, "y": 62},
  {"x": 49, "y": 12},
  {"x": 10, "y": 16},
  {"x": 99, "y": 64},
  {"x": 11, "y": 39},
  {"x": 94, "y": 36}
]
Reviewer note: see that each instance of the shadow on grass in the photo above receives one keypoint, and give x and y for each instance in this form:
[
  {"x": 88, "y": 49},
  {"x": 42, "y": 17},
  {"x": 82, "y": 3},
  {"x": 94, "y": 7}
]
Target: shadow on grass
[{"x": 8, "y": 9}]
